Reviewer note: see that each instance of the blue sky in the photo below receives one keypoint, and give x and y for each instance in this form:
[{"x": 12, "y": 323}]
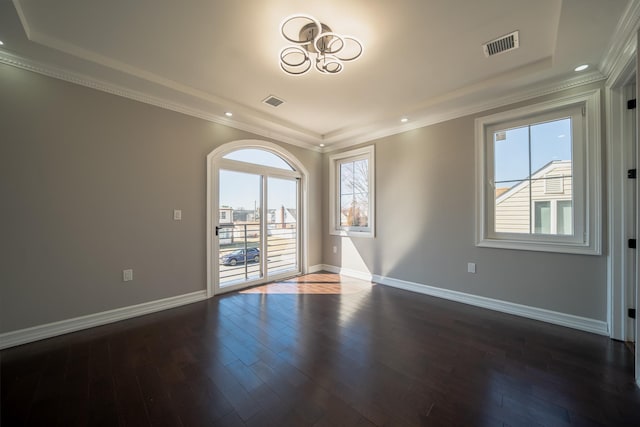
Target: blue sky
[
  {"x": 549, "y": 141},
  {"x": 242, "y": 190}
]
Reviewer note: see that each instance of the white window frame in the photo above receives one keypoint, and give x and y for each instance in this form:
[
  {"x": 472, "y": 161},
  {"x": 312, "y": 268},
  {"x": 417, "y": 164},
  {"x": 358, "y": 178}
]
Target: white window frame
[
  {"x": 586, "y": 172},
  {"x": 335, "y": 160}
]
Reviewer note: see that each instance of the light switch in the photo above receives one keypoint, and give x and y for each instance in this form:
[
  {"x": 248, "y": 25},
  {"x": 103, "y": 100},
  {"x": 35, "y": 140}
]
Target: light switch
[
  {"x": 177, "y": 214},
  {"x": 127, "y": 275},
  {"x": 471, "y": 267}
]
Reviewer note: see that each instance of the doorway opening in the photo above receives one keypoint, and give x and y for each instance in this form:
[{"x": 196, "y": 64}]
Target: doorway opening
[{"x": 256, "y": 215}]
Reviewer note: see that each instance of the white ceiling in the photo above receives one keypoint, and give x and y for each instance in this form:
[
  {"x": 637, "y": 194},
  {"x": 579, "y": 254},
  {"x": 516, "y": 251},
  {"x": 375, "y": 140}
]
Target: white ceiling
[{"x": 422, "y": 58}]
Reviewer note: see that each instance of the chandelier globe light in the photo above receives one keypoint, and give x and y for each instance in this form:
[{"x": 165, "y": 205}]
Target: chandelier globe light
[{"x": 315, "y": 45}]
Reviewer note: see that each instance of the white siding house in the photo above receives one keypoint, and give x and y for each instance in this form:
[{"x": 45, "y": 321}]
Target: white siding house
[{"x": 539, "y": 204}]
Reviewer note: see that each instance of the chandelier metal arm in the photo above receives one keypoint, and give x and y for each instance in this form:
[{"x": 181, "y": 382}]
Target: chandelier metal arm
[{"x": 315, "y": 42}]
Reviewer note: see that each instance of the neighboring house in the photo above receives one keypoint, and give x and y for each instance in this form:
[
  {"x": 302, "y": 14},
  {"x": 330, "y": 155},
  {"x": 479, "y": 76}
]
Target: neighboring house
[
  {"x": 541, "y": 204},
  {"x": 225, "y": 218},
  {"x": 245, "y": 215},
  {"x": 283, "y": 217},
  {"x": 225, "y": 215}
]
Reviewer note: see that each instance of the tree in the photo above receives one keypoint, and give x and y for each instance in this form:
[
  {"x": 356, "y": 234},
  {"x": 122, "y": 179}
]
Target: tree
[{"x": 354, "y": 193}]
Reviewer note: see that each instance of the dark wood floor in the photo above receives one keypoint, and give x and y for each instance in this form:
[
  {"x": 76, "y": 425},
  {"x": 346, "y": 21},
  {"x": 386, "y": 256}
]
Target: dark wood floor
[{"x": 343, "y": 353}]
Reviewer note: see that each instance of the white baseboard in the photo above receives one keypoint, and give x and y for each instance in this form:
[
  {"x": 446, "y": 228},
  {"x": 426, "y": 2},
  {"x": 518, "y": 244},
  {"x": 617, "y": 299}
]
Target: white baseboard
[
  {"x": 315, "y": 268},
  {"x": 348, "y": 272},
  {"x": 557, "y": 318},
  {"x": 23, "y": 336}
]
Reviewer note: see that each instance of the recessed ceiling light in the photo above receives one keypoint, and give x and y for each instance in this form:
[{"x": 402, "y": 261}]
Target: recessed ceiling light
[
  {"x": 404, "y": 120},
  {"x": 581, "y": 67},
  {"x": 1, "y": 42},
  {"x": 228, "y": 114},
  {"x": 321, "y": 145}
]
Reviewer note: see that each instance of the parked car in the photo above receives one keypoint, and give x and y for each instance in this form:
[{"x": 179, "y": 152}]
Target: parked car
[{"x": 253, "y": 255}]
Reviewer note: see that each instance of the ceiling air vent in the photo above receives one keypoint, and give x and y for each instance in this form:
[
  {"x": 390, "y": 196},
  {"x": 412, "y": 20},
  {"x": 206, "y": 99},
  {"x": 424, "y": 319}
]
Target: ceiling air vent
[
  {"x": 502, "y": 44},
  {"x": 273, "y": 101}
]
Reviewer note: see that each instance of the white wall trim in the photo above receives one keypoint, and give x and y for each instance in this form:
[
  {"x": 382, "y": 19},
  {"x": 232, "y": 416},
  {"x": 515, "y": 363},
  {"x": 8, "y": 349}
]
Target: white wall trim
[
  {"x": 213, "y": 160},
  {"x": 620, "y": 201},
  {"x": 35, "y": 333},
  {"x": 348, "y": 272},
  {"x": 471, "y": 108},
  {"x": 281, "y": 132},
  {"x": 315, "y": 268},
  {"x": 557, "y": 318},
  {"x": 296, "y": 138},
  {"x": 535, "y": 313},
  {"x": 588, "y": 197},
  {"x": 364, "y": 153},
  {"x": 624, "y": 34}
]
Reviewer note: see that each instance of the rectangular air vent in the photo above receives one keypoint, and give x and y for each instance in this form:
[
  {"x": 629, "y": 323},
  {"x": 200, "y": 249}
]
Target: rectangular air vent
[
  {"x": 273, "y": 101},
  {"x": 502, "y": 44},
  {"x": 553, "y": 184}
]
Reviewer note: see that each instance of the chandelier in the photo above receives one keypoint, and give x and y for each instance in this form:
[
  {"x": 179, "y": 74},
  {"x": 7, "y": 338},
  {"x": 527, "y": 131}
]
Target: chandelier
[{"x": 314, "y": 44}]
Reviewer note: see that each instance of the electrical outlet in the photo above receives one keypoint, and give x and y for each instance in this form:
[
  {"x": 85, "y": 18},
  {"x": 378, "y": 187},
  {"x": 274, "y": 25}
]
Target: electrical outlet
[
  {"x": 177, "y": 215},
  {"x": 471, "y": 267},
  {"x": 127, "y": 275}
]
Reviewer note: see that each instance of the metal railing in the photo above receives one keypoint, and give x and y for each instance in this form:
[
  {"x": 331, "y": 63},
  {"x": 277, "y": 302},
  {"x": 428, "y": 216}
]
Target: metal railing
[{"x": 236, "y": 240}]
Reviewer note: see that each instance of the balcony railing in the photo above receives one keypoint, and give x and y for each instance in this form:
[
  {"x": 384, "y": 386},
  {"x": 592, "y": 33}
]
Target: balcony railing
[{"x": 237, "y": 240}]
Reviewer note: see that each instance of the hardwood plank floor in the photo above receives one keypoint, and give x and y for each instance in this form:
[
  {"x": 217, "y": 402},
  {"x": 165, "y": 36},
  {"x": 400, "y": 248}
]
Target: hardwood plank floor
[{"x": 321, "y": 350}]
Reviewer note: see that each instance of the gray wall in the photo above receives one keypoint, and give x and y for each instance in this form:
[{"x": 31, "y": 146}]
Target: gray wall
[
  {"x": 425, "y": 229},
  {"x": 90, "y": 181},
  {"x": 89, "y": 184}
]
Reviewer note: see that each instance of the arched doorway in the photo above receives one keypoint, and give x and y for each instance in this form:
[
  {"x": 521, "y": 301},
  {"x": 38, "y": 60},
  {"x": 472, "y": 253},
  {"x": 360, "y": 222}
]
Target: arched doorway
[{"x": 256, "y": 215}]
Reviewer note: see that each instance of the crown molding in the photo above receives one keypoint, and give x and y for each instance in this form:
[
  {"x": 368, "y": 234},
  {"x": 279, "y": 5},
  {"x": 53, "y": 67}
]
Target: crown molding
[
  {"x": 621, "y": 50},
  {"x": 532, "y": 92},
  {"x": 623, "y": 42},
  {"x": 289, "y": 136}
]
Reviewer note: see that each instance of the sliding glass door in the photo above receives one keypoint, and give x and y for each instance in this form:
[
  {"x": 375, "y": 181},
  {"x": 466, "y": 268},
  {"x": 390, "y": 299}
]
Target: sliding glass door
[
  {"x": 239, "y": 228},
  {"x": 282, "y": 226},
  {"x": 257, "y": 235}
]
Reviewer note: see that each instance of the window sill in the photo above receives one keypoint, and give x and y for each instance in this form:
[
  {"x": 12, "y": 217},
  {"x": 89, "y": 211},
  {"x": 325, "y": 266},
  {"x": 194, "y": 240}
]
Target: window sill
[
  {"x": 556, "y": 247},
  {"x": 345, "y": 233}
]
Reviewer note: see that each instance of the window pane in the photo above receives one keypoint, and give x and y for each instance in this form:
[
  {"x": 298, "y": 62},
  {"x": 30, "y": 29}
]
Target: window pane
[
  {"x": 550, "y": 142},
  {"x": 542, "y": 218},
  {"x": 282, "y": 225},
  {"x": 346, "y": 178},
  {"x": 352, "y": 192},
  {"x": 346, "y": 210},
  {"x": 361, "y": 176},
  {"x": 354, "y": 211},
  {"x": 530, "y": 163},
  {"x": 565, "y": 217},
  {"x": 513, "y": 208},
  {"x": 511, "y": 168},
  {"x": 511, "y": 156},
  {"x": 361, "y": 210},
  {"x": 241, "y": 225},
  {"x": 259, "y": 157}
]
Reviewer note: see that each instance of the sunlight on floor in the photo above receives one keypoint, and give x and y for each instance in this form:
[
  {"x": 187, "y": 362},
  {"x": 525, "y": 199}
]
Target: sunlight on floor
[{"x": 319, "y": 283}]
